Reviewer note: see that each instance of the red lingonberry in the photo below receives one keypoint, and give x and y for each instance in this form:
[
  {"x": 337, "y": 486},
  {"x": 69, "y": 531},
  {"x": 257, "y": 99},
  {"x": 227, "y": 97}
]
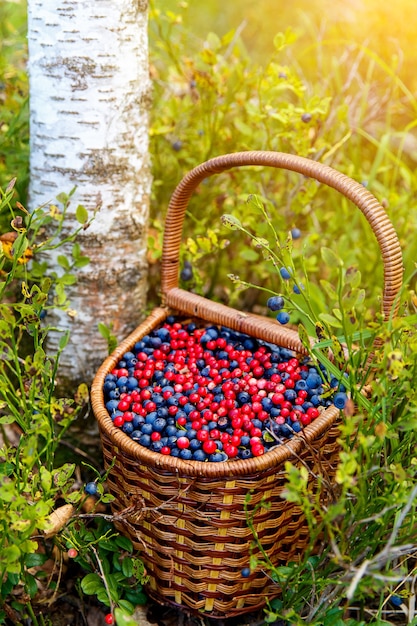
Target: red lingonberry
[
  {"x": 202, "y": 435},
  {"x": 230, "y": 450},
  {"x": 209, "y": 446},
  {"x": 109, "y": 619},
  {"x": 312, "y": 412},
  {"x": 305, "y": 419},
  {"x": 258, "y": 449}
]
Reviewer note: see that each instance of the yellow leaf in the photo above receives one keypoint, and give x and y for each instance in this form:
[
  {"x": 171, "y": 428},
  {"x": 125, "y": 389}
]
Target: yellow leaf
[{"x": 7, "y": 240}]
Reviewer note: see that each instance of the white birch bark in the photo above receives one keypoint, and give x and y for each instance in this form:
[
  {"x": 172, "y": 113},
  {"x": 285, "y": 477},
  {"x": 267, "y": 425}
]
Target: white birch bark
[{"x": 89, "y": 101}]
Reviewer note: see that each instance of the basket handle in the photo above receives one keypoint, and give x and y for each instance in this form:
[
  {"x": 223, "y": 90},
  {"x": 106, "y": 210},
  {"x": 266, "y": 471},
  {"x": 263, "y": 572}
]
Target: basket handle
[{"x": 373, "y": 211}]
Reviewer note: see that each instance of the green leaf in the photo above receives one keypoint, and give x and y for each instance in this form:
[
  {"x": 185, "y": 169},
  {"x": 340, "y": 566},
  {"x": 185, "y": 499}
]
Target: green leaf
[
  {"x": 35, "y": 559},
  {"x": 63, "y": 261},
  {"x": 67, "y": 279},
  {"x": 331, "y": 320},
  {"x": 9, "y": 555},
  {"x": 330, "y": 258},
  {"x": 328, "y": 289},
  {"x": 136, "y": 597},
  {"x": 124, "y": 543},
  {"x": 126, "y": 606},
  {"x": 63, "y": 474},
  {"x": 82, "y": 261},
  {"x": 123, "y": 618},
  {"x": 7, "y": 419},
  {"x": 106, "y": 498},
  {"x": 92, "y": 584},
  {"x": 353, "y": 277},
  {"x": 230, "y": 221},
  {"x": 81, "y": 214},
  {"x": 31, "y": 586},
  {"x": 127, "y": 567},
  {"x": 64, "y": 341}
]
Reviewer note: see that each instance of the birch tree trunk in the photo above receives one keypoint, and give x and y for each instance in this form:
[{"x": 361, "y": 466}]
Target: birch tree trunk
[{"x": 89, "y": 101}]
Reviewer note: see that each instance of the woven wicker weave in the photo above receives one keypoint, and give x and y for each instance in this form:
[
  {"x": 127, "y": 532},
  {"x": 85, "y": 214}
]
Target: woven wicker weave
[{"x": 188, "y": 519}]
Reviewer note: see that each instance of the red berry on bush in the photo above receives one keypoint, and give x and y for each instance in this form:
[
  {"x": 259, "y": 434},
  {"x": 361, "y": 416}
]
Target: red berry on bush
[{"x": 109, "y": 619}]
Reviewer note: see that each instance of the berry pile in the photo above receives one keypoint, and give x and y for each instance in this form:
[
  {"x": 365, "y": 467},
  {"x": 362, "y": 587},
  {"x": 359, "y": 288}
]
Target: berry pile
[{"x": 213, "y": 394}]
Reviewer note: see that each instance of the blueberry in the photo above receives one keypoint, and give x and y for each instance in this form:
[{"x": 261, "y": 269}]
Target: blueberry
[
  {"x": 283, "y": 317},
  {"x": 267, "y": 404},
  {"x": 128, "y": 428},
  {"x": 199, "y": 455},
  {"x": 159, "y": 424},
  {"x": 132, "y": 383},
  {"x": 162, "y": 333},
  {"x": 300, "y": 384},
  {"x": 146, "y": 429},
  {"x": 171, "y": 430},
  {"x": 290, "y": 395},
  {"x": 195, "y": 444},
  {"x": 91, "y": 489},
  {"x": 295, "y": 233},
  {"x": 243, "y": 398},
  {"x": 151, "y": 417},
  {"x": 186, "y": 454},
  {"x": 285, "y": 273},
  {"x": 186, "y": 272},
  {"x": 176, "y": 145},
  {"x": 138, "y": 420},
  {"x": 339, "y": 400},
  {"x": 218, "y": 457},
  {"x": 109, "y": 385},
  {"x": 285, "y": 430},
  {"x": 158, "y": 399},
  {"x": 297, "y": 288},
  {"x": 245, "y": 572},
  {"x": 306, "y": 117},
  {"x": 156, "y": 446},
  {"x": 111, "y": 405},
  {"x": 313, "y": 381},
  {"x": 275, "y": 303},
  {"x": 145, "y": 440},
  {"x": 286, "y": 354}
]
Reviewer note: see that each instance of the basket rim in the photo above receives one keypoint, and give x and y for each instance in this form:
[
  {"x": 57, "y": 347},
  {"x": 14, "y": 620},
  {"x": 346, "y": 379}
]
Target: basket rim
[{"x": 228, "y": 469}]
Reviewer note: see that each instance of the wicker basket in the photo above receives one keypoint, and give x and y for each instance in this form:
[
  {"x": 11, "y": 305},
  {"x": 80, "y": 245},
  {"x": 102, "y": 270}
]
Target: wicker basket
[{"x": 187, "y": 518}]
